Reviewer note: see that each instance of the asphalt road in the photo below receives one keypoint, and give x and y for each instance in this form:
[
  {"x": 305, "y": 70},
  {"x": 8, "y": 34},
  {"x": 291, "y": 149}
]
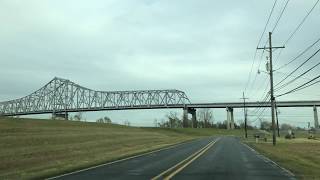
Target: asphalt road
[
  {"x": 230, "y": 159},
  {"x": 226, "y": 159},
  {"x": 143, "y": 167}
]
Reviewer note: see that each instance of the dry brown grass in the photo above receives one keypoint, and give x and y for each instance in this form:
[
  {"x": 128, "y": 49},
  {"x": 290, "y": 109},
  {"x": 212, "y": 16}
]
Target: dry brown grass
[
  {"x": 301, "y": 156},
  {"x": 41, "y": 148}
]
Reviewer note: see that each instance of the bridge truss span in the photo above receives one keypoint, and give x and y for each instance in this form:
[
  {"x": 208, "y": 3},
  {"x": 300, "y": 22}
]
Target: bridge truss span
[{"x": 62, "y": 95}]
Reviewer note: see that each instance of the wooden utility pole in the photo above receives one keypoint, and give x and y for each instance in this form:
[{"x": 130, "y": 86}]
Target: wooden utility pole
[
  {"x": 277, "y": 117},
  {"x": 245, "y": 114},
  {"x": 271, "y": 88}
]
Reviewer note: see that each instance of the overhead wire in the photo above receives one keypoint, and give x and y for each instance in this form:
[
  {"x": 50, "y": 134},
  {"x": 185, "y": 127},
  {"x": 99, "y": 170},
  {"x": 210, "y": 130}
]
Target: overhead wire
[
  {"x": 279, "y": 17},
  {"x": 303, "y": 63},
  {"x": 297, "y": 28},
  {"x": 299, "y": 55},
  {"x": 297, "y": 77},
  {"x": 302, "y": 86},
  {"x": 276, "y": 24},
  {"x": 255, "y": 54},
  {"x": 300, "y": 24}
]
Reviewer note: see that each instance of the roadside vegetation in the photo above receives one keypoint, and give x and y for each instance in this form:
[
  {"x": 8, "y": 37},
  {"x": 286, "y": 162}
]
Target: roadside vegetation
[
  {"x": 297, "y": 151},
  {"x": 42, "y": 148},
  {"x": 300, "y": 155}
]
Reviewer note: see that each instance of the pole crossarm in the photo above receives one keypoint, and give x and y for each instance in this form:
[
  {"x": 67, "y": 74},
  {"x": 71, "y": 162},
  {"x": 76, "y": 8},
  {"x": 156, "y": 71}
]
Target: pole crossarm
[
  {"x": 62, "y": 95},
  {"x": 274, "y": 47}
]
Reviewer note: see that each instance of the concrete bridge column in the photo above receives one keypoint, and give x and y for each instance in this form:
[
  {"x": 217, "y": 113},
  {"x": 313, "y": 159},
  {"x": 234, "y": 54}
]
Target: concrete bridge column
[
  {"x": 185, "y": 117},
  {"x": 193, "y": 112},
  {"x": 230, "y": 119},
  {"x": 63, "y": 115},
  {"x": 315, "y": 113},
  {"x": 185, "y": 120}
]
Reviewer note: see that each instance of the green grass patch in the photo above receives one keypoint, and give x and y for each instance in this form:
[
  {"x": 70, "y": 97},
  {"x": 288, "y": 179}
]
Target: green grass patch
[
  {"x": 42, "y": 148},
  {"x": 301, "y": 155}
]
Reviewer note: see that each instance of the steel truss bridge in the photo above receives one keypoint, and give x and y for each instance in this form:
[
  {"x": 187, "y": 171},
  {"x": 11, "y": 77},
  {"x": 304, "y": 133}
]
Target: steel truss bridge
[{"x": 61, "y": 96}]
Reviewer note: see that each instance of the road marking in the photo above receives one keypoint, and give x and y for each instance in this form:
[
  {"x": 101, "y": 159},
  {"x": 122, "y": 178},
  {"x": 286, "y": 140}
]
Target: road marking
[
  {"x": 124, "y": 159},
  {"x": 169, "y": 173}
]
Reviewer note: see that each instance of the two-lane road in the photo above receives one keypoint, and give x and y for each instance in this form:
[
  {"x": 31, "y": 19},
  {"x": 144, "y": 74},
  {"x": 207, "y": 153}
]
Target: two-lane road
[
  {"x": 230, "y": 159},
  {"x": 226, "y": 159},
  {"x": 142, "y": 167}
]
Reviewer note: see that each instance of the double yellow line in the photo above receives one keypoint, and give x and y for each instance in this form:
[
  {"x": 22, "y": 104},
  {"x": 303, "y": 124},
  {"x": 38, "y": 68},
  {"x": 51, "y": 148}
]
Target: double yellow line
[{"x": 169, "y": 173}]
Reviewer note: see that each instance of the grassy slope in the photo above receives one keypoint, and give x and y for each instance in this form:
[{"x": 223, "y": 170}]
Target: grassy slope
[
  {"x": 301, "y": 156},
  {"x": 41, "y": 148}
]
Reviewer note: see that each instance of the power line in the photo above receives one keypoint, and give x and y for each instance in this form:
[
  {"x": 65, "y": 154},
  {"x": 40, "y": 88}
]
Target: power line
[
  {"x": 293, "y": 75},
  {"x": 296, "y": 29},
  {"x": 255, "y": 54},
  {"x": 265, "y": 27},
  {"x": 258, "y": 116},
  {"x": 265, "y": 115},
  {"x": 276, "y": 24},
  {"x": 284, "y": 85},
  {"x": 303, "y": 86},
  {"x": 279, "y": 17},
  {"x": 296, "y": 69},
  {"x": 299, "y": 55},
  {"x": 300, "y": 24},
  {"x": 264, "y": 101},
  {"x": 263, "y": 84}
]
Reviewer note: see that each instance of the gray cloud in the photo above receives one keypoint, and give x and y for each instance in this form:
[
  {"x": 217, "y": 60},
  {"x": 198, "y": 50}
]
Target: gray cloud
[{"x": 202, "y": 47}]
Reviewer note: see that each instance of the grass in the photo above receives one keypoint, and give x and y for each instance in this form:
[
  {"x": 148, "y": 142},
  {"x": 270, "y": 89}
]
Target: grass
[
  {"x": 42, "y": 148},
  {"x": 301, "y": 155}
]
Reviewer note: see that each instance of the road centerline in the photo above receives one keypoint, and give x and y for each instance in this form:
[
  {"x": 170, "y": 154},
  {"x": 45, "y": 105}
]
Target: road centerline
[{"x": 169, "y": 173}]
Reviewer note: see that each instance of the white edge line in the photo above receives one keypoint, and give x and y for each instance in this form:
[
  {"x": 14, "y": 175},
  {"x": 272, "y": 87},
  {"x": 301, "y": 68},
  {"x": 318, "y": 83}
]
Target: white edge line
[
  {"x": 282, "y": 168},
  {"x": 120, "y": 160}
]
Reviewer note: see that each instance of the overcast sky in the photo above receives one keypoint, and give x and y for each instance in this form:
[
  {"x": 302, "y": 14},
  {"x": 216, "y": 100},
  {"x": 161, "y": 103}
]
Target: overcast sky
[{"x": 202, "y": 47}]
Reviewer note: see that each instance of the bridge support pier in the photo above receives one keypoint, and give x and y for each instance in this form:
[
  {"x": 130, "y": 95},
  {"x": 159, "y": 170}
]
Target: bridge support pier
[
  {"x": 185, "y": 120},
  {"x": 63, "y": 115},
  {"x": 230, "y": 118},
  {"x": 193, "y": 112},
  {"x": 315, "y": 114}
]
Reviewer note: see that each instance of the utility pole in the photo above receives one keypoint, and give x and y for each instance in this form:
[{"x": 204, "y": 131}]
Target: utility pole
[
  {"x": 277, "y": 117},
  {"x": 245, "y": 114},
  {"x": 271, "y": 88}
]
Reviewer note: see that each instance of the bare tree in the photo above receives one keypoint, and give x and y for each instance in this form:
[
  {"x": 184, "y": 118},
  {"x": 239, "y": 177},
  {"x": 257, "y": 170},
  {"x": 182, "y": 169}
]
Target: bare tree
[
  {"x": 265, "y": 125},
  {"x": 173, "y": 120},
  {"x": 155, "y": 122},
  {"x": 286, "y": 126},
  {"x": 105, "y": 119},
  {"x": 78, "y": 116},
  {"x": 126, "y": 123},
  {"x": 205, "y": 116}
]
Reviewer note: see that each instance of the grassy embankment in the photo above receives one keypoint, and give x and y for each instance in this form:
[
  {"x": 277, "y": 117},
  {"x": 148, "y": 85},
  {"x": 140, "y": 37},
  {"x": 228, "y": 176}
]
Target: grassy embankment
[
  {"x": 301, "y": 155},
  {"x": 42, "y": 148}
]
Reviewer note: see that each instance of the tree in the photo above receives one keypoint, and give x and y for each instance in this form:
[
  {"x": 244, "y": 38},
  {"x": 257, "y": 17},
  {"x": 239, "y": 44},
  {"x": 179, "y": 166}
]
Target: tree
[
  {"x": 222, "y": 125},
  {"x": 105, "y": 119},
  {"x": 78, "y": 116},
  {"x": 285, "y": 126},
  {"x": 126, "y": 123},
  {"x": 241, "y": 124},
  {"x": 155, "y": 122},
  {"x": 265, "y": 125},
  {"x": 205, "y": 117},
  {"x": 173, "y": 120}
]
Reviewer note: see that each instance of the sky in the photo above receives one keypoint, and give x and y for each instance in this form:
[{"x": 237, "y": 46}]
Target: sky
[{"x": 204, "y": 48}]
